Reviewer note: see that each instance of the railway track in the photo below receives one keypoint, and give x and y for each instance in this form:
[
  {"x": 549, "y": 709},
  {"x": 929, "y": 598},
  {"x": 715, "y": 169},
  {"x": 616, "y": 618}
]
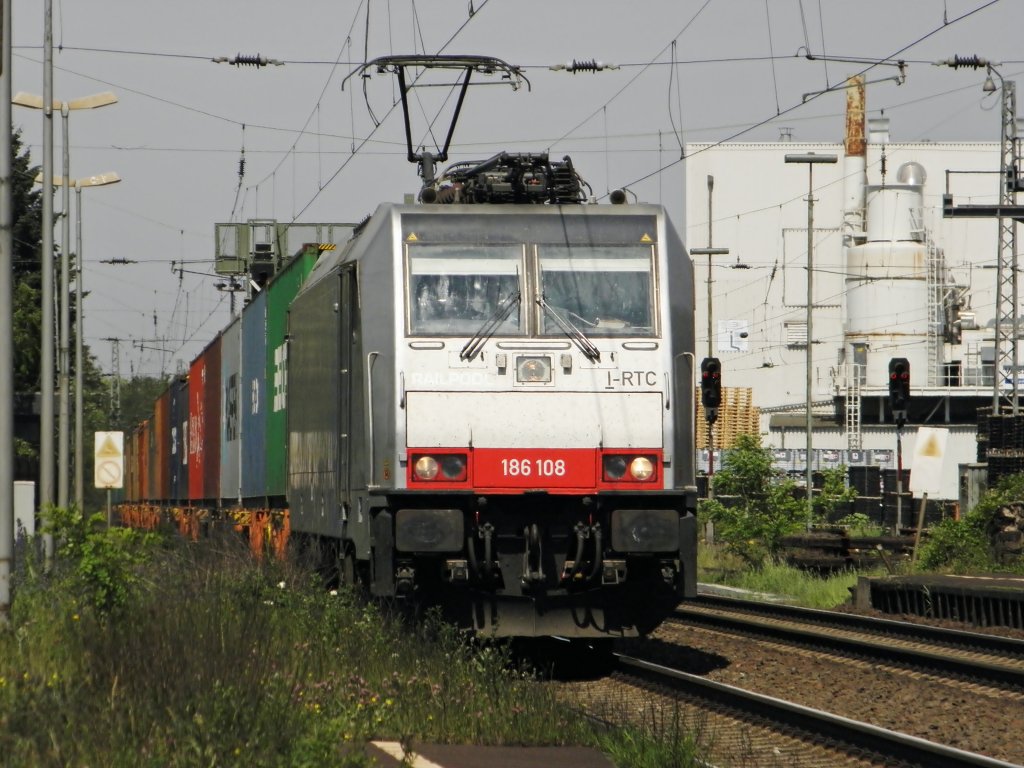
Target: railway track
[
  {"x": 966, "y": 656},
  {"x": 752, "y": 728},
  {"x": 796, "y": 699}
]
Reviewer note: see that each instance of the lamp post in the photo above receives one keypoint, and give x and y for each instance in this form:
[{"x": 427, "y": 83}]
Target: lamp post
[
  {"x": 98, "y": 180},
  {"x": 6, "y": 334},
  {"x": 810, "y": 159},
  {"x": 63, "y": 429},
  {"x": 230, "y": 287},
  {"x": 709, "y": 252},
  {"x": 90, "y": 181}
]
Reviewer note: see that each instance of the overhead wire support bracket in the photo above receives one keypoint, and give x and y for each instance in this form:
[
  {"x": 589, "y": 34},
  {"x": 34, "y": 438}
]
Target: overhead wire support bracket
[{"x": 899, "y": 79}]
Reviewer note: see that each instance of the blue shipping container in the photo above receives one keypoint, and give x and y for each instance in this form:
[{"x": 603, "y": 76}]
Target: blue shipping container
[{"x": 179, "y": 439}]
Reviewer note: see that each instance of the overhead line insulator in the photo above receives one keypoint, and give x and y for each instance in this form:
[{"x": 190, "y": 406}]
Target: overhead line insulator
[
  {"x": 585, "y": 65},
  {"x": 974, "y": 62},
  {"x": 247, "y": 60}
]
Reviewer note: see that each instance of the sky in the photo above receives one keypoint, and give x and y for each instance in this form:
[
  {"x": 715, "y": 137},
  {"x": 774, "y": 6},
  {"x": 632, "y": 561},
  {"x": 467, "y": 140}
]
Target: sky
[{"x": 688, "y": 71}]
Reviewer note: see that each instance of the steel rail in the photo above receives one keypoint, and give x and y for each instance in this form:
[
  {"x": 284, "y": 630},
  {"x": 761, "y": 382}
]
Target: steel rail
[
  {"x": 885, "y": 743},
  {"x": 997, "y": 675},
  {"x": 995, "y": 644}
]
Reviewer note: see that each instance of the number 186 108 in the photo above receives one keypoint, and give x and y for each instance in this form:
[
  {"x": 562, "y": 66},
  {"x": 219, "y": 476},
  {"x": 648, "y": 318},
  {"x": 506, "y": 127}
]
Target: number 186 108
[{"x": 533, "y": 467}]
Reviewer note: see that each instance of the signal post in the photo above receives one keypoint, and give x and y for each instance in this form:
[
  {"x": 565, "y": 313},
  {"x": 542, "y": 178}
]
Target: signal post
[
  {"x": 899, "y": 398},
  {"x": 711, "y": 399}
]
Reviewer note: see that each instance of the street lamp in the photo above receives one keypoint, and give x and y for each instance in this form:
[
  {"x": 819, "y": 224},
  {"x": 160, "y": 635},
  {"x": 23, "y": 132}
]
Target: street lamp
[
  {"x": 810, "y": 159},
  {"x": 98, "y": 180},
  {"x": 230, "y": 287},
  {"x": 6, "y": 318},
  {"x": 86, "y": 102}
]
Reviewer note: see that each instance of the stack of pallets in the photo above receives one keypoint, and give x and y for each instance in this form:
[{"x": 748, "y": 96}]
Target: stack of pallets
[{"x": 736, "y": 416}]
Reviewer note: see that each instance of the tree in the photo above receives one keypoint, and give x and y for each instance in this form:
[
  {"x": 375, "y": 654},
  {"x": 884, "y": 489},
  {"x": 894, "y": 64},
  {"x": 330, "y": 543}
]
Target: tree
[
  {"x": 138, "y": 397},
  {"x": 755, "y": 504},
  {"x": 26, "y": 313},
  {"x": 26, "y": 203}
]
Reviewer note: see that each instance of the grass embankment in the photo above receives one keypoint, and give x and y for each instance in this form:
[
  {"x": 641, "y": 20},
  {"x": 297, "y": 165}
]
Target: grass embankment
[
  {"x": 141, "y": 651},
  {"x": 790, "y": 584}
]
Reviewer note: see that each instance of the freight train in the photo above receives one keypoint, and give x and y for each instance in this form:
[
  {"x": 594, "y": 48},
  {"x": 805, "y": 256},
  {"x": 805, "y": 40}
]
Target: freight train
[{"x": 484, "y": 400}]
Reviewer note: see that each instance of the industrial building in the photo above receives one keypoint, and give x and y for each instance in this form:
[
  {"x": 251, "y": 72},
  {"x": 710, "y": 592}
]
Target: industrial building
[{"x": 891, "y": 276}]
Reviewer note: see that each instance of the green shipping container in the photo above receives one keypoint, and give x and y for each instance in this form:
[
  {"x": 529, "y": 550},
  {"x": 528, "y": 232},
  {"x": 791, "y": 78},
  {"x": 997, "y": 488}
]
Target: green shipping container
[{"x": 280, "y": 292}]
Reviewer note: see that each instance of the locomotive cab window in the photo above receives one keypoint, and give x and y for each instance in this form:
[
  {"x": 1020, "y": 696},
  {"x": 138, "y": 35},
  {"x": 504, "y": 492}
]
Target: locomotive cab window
[
  {"x": 454, "y": 289},
  {"x": 601, "y": 290}
]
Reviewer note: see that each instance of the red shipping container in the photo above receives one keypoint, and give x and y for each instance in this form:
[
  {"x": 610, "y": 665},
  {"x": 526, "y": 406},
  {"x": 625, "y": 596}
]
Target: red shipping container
[
  {"x": 204, "y": 425},
  {"x": 142, "y": 446},
  {"x": 162, "y": 424},
  {"x": 196, "y": 423}
]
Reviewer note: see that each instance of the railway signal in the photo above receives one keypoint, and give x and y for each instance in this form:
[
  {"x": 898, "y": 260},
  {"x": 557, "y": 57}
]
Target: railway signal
[
  {"x": 899, "y": 389},
  {"x": 711, "y": 387}
]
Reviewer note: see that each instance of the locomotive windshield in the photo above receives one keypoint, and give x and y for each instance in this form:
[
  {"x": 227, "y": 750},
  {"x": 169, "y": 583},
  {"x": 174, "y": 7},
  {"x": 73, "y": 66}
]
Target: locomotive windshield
[
  {"x": 455, "y": 288},
  {"x": 602, "y": 290}
]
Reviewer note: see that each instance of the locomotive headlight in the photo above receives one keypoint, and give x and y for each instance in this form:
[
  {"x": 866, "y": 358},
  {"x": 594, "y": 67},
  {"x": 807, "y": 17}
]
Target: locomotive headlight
[
  {"x": 453, "y": 466},
  {"x": 426, "y": 468},
  {"x": 614, "y": 467},
  {"x": 641, "y": 468},
  {"x": 618, "y": 467},
  {"x": 439, "y": 467},
  {"x": 533, "y": 369}
]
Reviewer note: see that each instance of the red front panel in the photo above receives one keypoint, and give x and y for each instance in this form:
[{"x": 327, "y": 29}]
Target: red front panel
[
  {"x": 558, "y": 470},
  {"x": 543, "y": 468}
]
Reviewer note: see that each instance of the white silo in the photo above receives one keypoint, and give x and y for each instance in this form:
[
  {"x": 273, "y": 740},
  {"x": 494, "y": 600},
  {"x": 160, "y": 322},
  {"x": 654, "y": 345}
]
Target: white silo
[{"x": 887, "y": 309}]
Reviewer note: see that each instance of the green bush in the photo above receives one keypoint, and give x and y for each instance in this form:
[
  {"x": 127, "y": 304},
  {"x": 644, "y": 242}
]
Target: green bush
[
  {"x": 965, "y": 545},
  {"x": 97, "y": 566},
  {"x": 833, "y": 493}
]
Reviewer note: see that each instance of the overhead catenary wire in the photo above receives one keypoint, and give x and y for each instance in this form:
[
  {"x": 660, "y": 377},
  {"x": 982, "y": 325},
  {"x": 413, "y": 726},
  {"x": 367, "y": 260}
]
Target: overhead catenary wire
[
  {"x": 620, "y": 65},
  {"x": 811, "y": 97},
  {"x": 631, "y": 80},
  {"x": 606, "y": 135},
  {"x": 676, "y": 130},
  {"x": 771, "y": 50}
]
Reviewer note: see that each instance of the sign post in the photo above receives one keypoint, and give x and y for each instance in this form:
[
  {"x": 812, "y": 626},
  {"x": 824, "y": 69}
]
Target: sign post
[
  {"x": 109, "y": 464},
  {"x": 926, "y": 473}
]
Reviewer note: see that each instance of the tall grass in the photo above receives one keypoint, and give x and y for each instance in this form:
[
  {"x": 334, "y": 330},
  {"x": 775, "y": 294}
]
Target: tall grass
[
  {"x": 803, "y": 588},
  {"x": 217, "y": 660},
  {"x": 659, "y": 738}
]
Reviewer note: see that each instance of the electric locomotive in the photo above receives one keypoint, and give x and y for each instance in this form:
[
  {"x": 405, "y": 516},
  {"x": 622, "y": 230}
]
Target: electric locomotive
[{"x": 490, "y": 399}]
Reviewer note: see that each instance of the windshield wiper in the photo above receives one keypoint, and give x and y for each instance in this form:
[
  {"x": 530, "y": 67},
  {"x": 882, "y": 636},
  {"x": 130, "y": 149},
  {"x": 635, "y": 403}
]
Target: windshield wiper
[
  {"x": 490, "y": 327},
  {"x": 592, "y": 353}
]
